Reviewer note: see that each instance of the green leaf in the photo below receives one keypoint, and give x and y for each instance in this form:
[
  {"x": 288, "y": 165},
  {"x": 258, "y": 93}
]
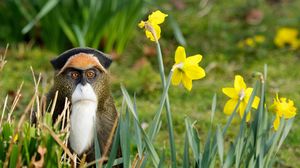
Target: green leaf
[
  {"x": 67, "y": 29},
  {"x": 285, "y": 132},
  {"x": 138, "y": 136},
  {"x": 230, "y": 157},
  {"x": 186, "y": 160},
  {"x": 7, "y": 131},
  {"x": 96, "y": 146},
  {"x": 192, "y": 139},
  {"x": 125, "y": 138},
  {"x": 155, "y": 123},
  {"x": 14, "y": 156},
  {"x": 79, "y": 36},
  {"x": 162, "y": 159},
  {"x": 44, "y": 11},
  {"x": 176, "y": 29},
  {"x": 213, "y": 108},
  {"x": 207, "y": 149},
  {"x": 147, "y": 141},
  {"x": 220, "y": 142},
  {"x": 114, "y": 148}
]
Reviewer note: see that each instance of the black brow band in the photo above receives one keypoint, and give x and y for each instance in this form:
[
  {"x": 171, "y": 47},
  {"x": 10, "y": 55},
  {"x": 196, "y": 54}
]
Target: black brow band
[{"x": 61, "y": 60}]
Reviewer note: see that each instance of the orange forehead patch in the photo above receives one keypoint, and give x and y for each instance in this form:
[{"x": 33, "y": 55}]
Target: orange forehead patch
[{"x": 83, "y": 61}]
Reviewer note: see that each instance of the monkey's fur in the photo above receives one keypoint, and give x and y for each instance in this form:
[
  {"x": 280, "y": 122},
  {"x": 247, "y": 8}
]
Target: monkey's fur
[{"x": 106, "y": 114}]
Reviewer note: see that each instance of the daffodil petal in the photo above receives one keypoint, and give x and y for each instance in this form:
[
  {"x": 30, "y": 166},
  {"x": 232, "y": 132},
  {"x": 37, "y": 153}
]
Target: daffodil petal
[
  {"x": 156, "y": 30},
  {"x": 276, "y": 123},
  {"x": 141, "y": 24},
  {"x": 176, "y": 78},
  {"x": 255, "y": 102},
  {"x": 248, "y": 92},
  {"x": 149, "y": 35},
  {"x": 180, "y": 55},
  {"x": 194, "y": 60},
  {"x": 248, "y": 116},
  {"x": 290, "y": 113},
  {"x": 239, "y": 83},
  {"x": 230, "y": 92},
  {"x": 187, "y": 82},
  {"x": 157, "y": 17},
  {"x": 194, "y": 71},
  {"x": 242, "y": 108},
  {"x": 229, "y": 106}
]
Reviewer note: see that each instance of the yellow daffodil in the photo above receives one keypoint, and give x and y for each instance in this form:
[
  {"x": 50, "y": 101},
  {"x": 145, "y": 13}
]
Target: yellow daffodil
[
  {"x": 151, "y": 26},
  {"x": 282, "y": 108},
  {"x": 16, "y": 138},
  {"x": 242, "y": 93},
  {"x": 259, "y": 38},
  {"x": 186, "y": 69},
  {"x": 251, "y": 41},
  {"x": 287, "y": 36}
]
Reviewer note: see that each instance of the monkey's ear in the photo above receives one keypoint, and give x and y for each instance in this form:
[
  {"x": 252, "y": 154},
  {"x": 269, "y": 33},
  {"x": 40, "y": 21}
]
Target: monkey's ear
[{"x": 61, "y": 60}]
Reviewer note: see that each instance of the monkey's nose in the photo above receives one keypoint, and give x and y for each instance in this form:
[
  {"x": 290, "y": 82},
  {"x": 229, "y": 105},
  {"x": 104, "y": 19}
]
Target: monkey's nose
[{"x": 83, "y": 82}]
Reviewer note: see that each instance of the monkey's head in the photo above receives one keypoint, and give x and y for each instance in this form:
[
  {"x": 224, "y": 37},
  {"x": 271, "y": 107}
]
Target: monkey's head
[{"x": 81, "y": 74}]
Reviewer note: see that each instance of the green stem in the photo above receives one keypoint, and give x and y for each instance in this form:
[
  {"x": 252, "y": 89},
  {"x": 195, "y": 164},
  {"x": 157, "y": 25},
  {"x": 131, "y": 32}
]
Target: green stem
[{"x": 167, "y": 105}]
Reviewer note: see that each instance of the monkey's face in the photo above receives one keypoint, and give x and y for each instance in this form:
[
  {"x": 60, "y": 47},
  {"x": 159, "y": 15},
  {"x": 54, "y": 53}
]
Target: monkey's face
[
  {"x": 82, "y": 81},
  {"x": 82, "y": 84}
]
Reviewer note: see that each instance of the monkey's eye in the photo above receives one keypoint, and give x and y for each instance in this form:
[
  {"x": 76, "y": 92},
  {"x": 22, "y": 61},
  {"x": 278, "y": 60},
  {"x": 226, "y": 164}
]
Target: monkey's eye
[
  {"x": 74, "y": 75},
  {"x": 90, "y": 74}
]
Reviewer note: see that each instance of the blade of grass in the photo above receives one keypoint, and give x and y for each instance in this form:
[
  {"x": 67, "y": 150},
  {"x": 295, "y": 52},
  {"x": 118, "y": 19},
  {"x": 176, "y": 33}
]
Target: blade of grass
[
  {"x": 230, "y": 157},
  {"x": 220, "y": 142},
  {"x": 154, "y": 125},
  {"x": 285, "y": 132},
  {"x": 79, "y": 36},
  {"x": 44, "y": 11},
  {"x": 162, "y": 159},
  {"x": 176, "y": 29},
  {"x": 147, "y": 141},
  {"x": 207, "y": 147},
  {"x": 96, "y": 146},
  {"x": 125, "y": 138},
  {"x": 3, "y": 110},
  {"x": 192, "y": 139},
  {"x": 14, "y": 156},
  {"x": 186, "y": 159},
  {"x": 138, "y": 136},
  {"x": 213, "y": 109},
  {"x": 114, "y": 149}
]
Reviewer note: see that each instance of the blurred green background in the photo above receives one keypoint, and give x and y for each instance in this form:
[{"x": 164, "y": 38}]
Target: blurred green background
[{"x": 38, "y": 31}]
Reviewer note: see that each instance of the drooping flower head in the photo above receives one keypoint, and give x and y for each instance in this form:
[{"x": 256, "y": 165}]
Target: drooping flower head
[
  {"x": 151, "y": 26},
  {"x": 282, "y": 108},
  {"x": 186, "y": 69},
  {"x": 242, "y": 93},
  {"x": 287, "y": 36}
]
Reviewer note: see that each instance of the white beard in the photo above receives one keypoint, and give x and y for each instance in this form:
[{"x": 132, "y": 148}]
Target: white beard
[{"x": 83, "y": 116}]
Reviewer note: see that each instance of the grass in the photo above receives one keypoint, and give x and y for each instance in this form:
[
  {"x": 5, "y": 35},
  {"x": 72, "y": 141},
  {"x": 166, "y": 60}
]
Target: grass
[{"x": 215, "y": 36}]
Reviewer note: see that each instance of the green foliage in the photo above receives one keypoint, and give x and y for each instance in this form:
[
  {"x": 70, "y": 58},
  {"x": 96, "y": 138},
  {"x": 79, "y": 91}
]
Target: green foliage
[
  {"x": 59, "y": 25},
  {"x": 25, "y": 144}
]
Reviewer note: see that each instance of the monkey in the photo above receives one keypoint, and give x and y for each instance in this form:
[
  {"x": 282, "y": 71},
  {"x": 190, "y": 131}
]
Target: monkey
[{"x": 81, "y": 75}]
